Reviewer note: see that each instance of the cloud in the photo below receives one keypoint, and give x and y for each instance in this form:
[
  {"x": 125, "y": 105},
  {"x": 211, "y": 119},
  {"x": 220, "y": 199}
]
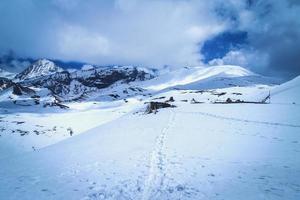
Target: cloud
[
  {"x": 276, "y": 32},
  {"x": 231, "y": 58},
  {"x": 140, "y": 32},
  {"x": 76, "y": 42},
  {"x": 153, "y": 33},
  {"x": 247, "y": 58},
  {"x": 273, "y": 36}
]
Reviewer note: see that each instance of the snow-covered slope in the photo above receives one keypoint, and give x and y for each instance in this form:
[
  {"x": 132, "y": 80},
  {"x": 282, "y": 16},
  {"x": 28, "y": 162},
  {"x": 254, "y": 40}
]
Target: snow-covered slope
[
  {"x": 41, "y": 67},
  {"x": 287, "y": 92},
  {"x": 206, "y": 78},
  {"x": 194, "y": 151},
  {"x": 107, "y": 147}
]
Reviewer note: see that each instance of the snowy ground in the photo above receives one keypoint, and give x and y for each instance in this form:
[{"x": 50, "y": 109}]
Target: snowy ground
[
  {"x": 193, "y": 151},
  {"x": 29, "y": 131}
]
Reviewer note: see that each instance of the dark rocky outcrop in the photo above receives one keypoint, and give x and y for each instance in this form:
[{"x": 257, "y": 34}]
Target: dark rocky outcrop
[
  {"x": 154, "y": 106},
  {"x": 56, "y": 103},
  {"x": 20, "y": 90},
  {"x": 5, "y": 83},
  {"x": 17, "y": 88},
  {"x": 171, "y": 99}
]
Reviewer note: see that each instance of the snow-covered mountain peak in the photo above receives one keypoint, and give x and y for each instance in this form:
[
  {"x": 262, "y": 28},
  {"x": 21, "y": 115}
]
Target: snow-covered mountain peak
[
  {"x": 41, "y": 67},
  {"x": 231, "y": 70},
  {"x": 196, "y": 75}
]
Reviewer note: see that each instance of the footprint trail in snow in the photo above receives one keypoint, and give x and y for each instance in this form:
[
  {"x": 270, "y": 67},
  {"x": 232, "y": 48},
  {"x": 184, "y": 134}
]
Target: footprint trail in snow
[{"x": 154, "y": 184}]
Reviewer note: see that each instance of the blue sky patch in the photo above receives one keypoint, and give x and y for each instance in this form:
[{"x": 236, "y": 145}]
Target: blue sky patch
[{"x": 220, "y": 45}]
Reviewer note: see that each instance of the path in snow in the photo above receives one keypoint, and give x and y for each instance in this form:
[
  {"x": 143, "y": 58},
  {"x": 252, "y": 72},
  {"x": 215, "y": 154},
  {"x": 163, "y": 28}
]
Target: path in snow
[{"x": 155, "y": 182}]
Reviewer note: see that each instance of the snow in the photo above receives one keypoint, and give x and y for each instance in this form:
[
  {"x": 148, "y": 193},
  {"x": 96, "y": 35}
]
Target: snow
[
  {"x": 42, "y": 67},
  {"x": 47, "y": 128},
  {"x": 288, "y": 92},
  {"x": 87, "y": 67},
  {"x": 184, "y": 76},
  {"x": 127, "y": 159},
  {"x": 192, "y": 151}
]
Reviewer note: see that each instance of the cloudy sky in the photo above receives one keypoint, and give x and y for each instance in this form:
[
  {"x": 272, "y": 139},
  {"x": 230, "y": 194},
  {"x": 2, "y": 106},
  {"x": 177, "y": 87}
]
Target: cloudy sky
[{"x": 262, "y": 35}]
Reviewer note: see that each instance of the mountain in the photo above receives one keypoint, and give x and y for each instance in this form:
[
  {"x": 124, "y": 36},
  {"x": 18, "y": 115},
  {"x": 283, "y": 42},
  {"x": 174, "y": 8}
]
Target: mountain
[
  {"x": 52, "y": 85},
  {"x": 80, "y": 83},
  {"x": 207, "y": 78},
  {"x": 42, "y": 67},
  {"x": 122, "y": 82}
]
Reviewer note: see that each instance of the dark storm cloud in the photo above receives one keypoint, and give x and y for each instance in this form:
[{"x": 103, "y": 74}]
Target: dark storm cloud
[
  {"x": 278, "y": 35},
  {"x": 273, "y": 30}
]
